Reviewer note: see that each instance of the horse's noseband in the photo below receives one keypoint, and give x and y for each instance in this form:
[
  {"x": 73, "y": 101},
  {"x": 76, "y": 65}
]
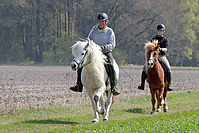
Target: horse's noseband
[{"x": 151, "y": 62}]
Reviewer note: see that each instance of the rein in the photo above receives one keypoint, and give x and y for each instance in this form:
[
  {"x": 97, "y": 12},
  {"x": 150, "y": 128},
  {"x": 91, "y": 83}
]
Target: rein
[
  {"x": 83, "y": 60},
  {"x": 86, "y": 64}
]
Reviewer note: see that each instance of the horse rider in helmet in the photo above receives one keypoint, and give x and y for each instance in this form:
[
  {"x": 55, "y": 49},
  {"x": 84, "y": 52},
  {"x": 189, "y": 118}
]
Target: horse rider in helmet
[
  {"x": 163, "y": 42},
  {"x": 103, "y": 36}
]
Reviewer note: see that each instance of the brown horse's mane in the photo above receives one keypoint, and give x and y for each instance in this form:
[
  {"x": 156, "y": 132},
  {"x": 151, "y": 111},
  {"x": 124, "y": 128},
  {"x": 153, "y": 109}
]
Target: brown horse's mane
[{"x": 150, "y": 46}]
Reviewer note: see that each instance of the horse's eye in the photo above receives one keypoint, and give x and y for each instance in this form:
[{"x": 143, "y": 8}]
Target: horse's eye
[{"x": 82, "y": 53}]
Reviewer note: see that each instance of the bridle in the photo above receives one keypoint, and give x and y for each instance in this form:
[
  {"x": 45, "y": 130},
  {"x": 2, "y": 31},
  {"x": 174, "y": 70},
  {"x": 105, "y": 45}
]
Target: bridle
[
  {"x": 82, "y": 60},
  {"x": 151, "y": 61}
]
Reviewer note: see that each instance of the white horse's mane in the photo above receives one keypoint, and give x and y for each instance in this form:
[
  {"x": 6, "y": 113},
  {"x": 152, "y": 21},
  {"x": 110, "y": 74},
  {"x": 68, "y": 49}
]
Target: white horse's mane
[{"x": 93, "y": 50}]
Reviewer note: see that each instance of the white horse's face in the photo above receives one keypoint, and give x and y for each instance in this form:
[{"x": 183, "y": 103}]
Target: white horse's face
[{"x": 78, "y": 60}]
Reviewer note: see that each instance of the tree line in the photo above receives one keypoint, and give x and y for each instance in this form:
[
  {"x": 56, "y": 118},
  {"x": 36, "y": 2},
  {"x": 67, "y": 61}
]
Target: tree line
[{"x": 42, "y": 31}]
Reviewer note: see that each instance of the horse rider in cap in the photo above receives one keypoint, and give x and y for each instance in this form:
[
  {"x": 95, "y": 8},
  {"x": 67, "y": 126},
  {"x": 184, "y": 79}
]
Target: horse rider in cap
[
  {"x": 103, "y": 36},
  {"x": 163, "y": 42}
]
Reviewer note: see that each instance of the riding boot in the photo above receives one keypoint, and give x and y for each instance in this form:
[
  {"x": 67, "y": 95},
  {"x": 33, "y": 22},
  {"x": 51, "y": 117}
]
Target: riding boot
[
  {"x": 113, "y": 80},
  {"x": 169, "y": 88},
  {"x": 143, "y": 77},
  {"x": 78, "y": 86}
]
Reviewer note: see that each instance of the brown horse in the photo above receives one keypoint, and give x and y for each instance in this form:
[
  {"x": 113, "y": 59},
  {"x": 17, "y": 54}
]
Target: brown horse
[{"x": 155, "y": 77}]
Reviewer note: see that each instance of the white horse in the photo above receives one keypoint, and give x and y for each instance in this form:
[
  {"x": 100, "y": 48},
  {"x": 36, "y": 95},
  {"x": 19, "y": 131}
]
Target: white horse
[{"x": 94, "y": 77}]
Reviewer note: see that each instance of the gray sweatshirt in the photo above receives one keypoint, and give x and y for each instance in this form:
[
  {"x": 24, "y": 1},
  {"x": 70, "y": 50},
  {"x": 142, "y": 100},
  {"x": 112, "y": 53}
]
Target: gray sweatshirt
[{"x": 104, "y": 38}]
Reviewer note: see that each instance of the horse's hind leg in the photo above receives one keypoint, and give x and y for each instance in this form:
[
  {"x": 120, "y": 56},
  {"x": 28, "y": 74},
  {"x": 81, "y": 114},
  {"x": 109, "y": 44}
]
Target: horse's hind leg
[
  {"x": 165, "y": 107},
  {"x": 108, "y": 105}
]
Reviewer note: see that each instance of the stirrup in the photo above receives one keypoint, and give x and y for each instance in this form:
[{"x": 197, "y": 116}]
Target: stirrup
[
  {"x": 169, "y": 88},
  {"x": 115, "y": 91},
  {"x": 141, "y": 87}
]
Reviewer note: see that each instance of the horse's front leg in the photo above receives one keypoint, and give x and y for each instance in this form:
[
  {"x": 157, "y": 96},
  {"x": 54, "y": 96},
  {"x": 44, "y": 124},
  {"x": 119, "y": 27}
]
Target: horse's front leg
[
  {"x": 153, "y": 101},
  {"x": 158, "y": 102},
  {"x": 102, "y": 103},
  {"x": 99, "y": 96},
  {"x": 96, "y": 116},
  {"x": 108, "y": 105},
  {"x": 159, "y": 98}
]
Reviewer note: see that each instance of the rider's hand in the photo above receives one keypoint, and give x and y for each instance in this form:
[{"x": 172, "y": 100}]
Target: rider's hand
[{"x": 102, "y": 47}]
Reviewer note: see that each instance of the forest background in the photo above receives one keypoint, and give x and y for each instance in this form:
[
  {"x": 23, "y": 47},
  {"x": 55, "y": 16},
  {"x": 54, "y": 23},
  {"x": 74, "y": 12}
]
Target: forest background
[{"x": 43, "y": 31}]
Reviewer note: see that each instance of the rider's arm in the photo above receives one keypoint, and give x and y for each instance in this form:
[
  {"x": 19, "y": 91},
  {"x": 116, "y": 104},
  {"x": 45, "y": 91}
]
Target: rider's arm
[
  {"x": 111, "y": 44},
  {"x": 163, "y": 49}
]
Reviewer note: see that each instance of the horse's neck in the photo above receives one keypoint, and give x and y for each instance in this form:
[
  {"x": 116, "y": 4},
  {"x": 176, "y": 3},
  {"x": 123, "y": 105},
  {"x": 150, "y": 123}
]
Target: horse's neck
[
  {"x": 94, "y": 64},
  {"x": 155, "y": 75},
  {"x": 95, "y": 71}
]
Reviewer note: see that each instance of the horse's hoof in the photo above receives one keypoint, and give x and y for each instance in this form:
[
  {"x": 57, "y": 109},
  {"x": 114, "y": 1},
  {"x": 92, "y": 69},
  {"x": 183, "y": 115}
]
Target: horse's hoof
[
  {"x": 158, "y": 110},
  {"x": 105, "y": 119},
  {"x": 165, "y": 109},
  {"x": 153, "y": 112},
  {"x": 95, "y": 120}
]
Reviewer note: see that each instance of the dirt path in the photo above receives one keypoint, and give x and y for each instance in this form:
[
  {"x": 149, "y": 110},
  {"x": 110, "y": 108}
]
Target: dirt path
[{"x": 37, "y": 86}]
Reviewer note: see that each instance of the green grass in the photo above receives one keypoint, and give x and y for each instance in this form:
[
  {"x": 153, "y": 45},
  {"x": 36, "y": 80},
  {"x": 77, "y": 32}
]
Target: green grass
[{"x": 125, "y": 116}]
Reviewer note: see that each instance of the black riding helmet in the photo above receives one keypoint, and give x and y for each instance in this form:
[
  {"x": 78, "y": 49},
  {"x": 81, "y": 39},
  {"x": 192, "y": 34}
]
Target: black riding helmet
[
  {"x": 102, "y": 16},
  {"x": 160, "y": 27}
]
